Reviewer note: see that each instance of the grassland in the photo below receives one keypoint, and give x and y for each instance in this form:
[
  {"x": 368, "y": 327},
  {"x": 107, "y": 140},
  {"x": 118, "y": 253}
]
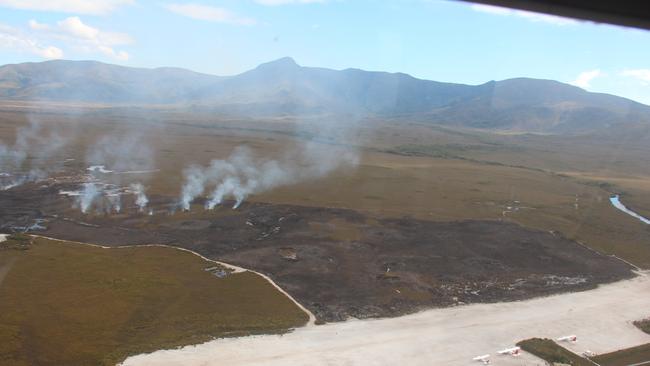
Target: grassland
[
  {"x": 559, "y": 183},
  {"x": 551, "y": 352},
  {"x": 73, "y": 304},
  {"x": 625, "y": 357},
  {"x": 554, "y": 183},
  {"x": 644, "y": 325},
  {"x": 448, "y": 189}
]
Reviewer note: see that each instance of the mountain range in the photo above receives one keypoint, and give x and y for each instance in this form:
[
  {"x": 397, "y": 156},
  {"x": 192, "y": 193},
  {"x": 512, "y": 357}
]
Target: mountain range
[{"x": 282, "y": 87}]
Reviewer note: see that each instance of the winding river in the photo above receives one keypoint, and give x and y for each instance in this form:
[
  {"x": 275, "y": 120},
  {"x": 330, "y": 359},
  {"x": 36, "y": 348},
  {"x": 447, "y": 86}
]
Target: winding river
[{"x": 617, "y": 203}]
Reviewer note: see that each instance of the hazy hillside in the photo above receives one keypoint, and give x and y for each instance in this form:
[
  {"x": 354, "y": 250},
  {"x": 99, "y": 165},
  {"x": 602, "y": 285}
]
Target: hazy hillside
[
  {"x": 92, "y": 81},
  {"x": 282, "y": 87},
  {"x": 542, "y": 105}
]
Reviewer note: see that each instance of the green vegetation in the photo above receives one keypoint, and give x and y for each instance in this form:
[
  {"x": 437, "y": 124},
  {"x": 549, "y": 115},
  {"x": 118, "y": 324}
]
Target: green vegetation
[
  {"x": 74, "y": 304},
  {"x": 20, "y": 237},
  {"x": 434, "y": 151},
  {"x": 551, "y": 352},
  {"x": 609, "y": 187},
  {"x": 644, "y": 325},
  {"x": 563, "y": 183},
  {"x": 453, "y": 189},
  {"x": 625, "y": 357},
  {"x": 457, "y": 151},
  {"x": 17, "y": 241}
]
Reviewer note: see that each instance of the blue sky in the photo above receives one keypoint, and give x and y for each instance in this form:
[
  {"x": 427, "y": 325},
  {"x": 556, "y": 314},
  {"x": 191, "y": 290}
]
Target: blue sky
[{"x": 437, "y": 40}]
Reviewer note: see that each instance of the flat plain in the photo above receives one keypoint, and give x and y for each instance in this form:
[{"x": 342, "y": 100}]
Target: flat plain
[
  {"x": 440, "y": 216},
  {"x": 64, "y": 303}
]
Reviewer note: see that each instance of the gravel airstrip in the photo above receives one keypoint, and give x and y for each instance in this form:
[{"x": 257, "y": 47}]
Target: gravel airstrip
[{"x": 601, "y": 318}]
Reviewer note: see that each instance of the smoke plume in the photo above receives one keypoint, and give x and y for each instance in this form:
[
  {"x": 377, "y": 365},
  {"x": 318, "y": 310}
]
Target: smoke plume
[
  {"x": 107, "y": 197},
  {"x": 123, "y": 152},
  {"x": 89, "y": 192},
  {"x": 27, "y": 159},
  {"x": 241, "y": 174},
  {"x": 113, "y": 159},
  {"x": 114, "y": 201},
  {"x": 141, "y": 199}
]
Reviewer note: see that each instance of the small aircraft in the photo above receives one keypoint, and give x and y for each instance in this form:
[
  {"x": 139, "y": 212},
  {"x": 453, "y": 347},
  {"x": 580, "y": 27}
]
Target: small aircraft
[
  {"x": 484, "y": 358},
  {"x": 514, "y": 351},
  {"x": 569, "y": 338}
]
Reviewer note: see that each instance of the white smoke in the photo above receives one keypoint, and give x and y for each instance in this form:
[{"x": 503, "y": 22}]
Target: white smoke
[
  {"x": 104, "y": 197},
  {"x": 230, "y": 185},
  {"x": 114, "y": 202},
  {"x": 195, "y": 180},
  {"x": 89, "y": 193},
  {"x": 125, "y": 151},
  {"x": 27, "y": 158},
  {"x": 12, "y": 156},
  {"x": 10, "y": 180},
  {"x": 241, "y": 175},
  {"x": 141, "y": 199}
]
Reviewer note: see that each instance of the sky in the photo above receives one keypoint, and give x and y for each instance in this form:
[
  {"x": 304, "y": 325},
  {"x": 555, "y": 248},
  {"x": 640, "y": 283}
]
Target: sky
[{"x": 430, "y": 39}]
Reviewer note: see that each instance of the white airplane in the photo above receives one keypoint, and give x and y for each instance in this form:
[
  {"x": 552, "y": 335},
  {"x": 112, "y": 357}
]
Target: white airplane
[
  {"x": 569, "y": 338},
  {"x": 514, "y": 351},
  {"x": 484, "y": 358}
]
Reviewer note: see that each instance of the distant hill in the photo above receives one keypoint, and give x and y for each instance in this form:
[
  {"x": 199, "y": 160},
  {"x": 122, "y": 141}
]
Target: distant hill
[
  {"x": 282, "y": 87},
  {"x": 91, "y": 81}
]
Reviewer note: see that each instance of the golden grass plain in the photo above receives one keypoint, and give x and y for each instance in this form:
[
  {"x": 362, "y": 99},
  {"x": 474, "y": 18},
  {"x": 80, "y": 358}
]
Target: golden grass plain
[
  {"x": 554, "y": 183},
  {"x": 74, "y": 304}
]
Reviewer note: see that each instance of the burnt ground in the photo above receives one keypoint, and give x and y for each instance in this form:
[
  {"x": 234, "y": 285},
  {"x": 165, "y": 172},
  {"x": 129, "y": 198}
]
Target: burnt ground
[{"x": 339, "y": 263}]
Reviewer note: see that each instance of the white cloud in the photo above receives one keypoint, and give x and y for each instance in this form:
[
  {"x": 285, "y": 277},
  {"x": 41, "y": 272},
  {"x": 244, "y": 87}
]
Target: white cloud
[
  {"x": 640, "y": 74},
  {"x": 50, "y": 53},
  {"x": 76, "y": 28},
  {"x": 118, "y": 55},
  {"x": 528, "y": 15},
  {"x": 75, "y": 33},
  {"x": 11, "y": 38},
  {"x": 584, "y": 78},
  {"x": 209, "y": 13},
  {"x": 285, "y": 2},
  {"x": 93, "y": 7},
  {"x": 38, "y": 26}
]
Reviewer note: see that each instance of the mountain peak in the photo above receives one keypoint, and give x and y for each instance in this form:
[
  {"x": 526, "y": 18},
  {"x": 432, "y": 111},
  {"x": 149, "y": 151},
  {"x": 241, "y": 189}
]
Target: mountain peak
[{"x": 281, "y": 63}]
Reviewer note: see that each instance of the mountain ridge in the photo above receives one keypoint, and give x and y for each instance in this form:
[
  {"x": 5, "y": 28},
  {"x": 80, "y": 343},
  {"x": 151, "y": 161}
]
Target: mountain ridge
[{"x": 283, "y": 87}]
